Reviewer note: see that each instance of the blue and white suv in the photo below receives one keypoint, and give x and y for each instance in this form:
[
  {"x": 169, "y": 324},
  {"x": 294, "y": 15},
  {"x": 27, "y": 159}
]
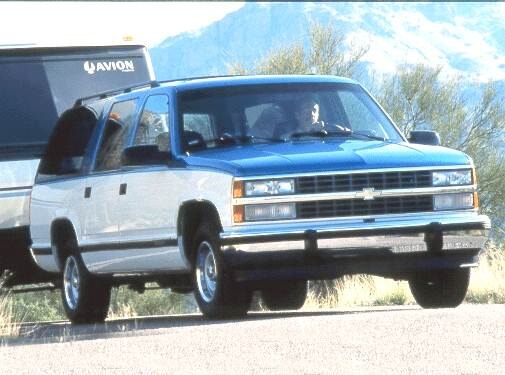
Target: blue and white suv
[{"x": 216, "y": 185}]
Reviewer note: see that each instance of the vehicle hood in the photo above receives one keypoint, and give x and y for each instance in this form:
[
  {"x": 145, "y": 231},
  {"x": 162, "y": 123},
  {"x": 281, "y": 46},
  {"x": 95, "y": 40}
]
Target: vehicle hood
[{"x": 321, "y": 156}]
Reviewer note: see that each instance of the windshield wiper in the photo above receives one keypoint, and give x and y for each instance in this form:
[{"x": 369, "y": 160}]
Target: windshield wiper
[
  {"x": 251, "y": 138},
  {"x": 229, "y": 139},
  {"x": 370, "y": 136},
  {"x": 322, "y": 133}
]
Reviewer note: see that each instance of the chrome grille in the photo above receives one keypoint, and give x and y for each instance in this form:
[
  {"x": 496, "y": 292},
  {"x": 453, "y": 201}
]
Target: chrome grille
[
  {"x": 359, "y": 181},
  {"x": 358, "y": 207}
]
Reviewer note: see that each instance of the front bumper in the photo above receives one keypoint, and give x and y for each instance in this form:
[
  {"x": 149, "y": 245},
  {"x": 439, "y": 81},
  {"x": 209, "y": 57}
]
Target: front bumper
[
  {"x": 398, "y": 234},
  {"x": 391, "y": 247}
]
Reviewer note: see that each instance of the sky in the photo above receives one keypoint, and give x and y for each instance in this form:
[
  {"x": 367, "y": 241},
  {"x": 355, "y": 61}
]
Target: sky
[
  {"x": 411, "y": 36},
  {"x": 91, "y": 23}
]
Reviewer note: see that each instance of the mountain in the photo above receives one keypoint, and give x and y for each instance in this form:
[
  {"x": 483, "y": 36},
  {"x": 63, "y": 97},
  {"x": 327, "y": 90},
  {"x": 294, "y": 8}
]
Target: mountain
[{"x": 465, "y": 38}]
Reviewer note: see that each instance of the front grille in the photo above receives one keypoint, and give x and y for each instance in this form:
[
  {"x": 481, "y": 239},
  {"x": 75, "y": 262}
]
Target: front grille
[
  {"x": 358, "y": 207},
  {"x": 359, "y": 181}
]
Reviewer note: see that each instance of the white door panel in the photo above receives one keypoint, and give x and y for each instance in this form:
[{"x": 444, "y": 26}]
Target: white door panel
[
  {"x": 148, "y": 207},
  {"x": 147, "y": 214},
  {"x": 101, "y": 215}
]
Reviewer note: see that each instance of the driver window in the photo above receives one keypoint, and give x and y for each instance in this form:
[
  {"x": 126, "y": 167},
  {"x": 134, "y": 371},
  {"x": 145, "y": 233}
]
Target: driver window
[{"x": 153, "y": 128}]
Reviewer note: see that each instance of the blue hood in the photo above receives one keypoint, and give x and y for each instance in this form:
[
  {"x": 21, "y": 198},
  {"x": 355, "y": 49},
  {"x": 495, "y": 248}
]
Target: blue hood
[{"x": 321, "y": 156}]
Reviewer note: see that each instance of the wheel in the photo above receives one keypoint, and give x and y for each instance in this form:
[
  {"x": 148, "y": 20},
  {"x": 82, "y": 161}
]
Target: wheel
[
  {"x": 440, "y": 288},
  {"x": 285, "y": 296},
  {"x": 85, "y": 298},
  {"x": 216, "y": 293}
]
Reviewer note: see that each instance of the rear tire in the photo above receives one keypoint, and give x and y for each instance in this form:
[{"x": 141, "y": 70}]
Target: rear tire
[
  {"x": 85, "y": 297},
  {"x": 217, "y": 294},
  {"x": 285, "y": 296},
  {"x": 440, "y": 288}
]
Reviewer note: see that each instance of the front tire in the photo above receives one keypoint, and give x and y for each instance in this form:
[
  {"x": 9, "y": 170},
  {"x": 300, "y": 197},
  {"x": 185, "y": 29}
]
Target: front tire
[
  {"x": 440, "y": 288},
  {"x": 285, "y": 296},
  {"x": 85, "y": 298},
  {"x": 216, "y": 293}
]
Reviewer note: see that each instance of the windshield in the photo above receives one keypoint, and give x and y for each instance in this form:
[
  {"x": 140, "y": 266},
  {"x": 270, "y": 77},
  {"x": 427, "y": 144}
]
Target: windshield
[{"x": 281, "y": 113}]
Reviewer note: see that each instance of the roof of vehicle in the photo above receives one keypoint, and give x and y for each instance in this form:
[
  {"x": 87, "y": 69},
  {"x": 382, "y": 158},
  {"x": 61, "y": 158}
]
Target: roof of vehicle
[
  {"x": 197, "y": 83},
  {"x": 220, "y": 81}
]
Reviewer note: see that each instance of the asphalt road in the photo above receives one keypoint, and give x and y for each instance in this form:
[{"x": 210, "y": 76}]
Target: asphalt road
[{"x": 466, "y": 340}]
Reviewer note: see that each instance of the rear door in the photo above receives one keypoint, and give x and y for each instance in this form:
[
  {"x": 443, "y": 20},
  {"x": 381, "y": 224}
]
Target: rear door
[{"x": 101, "y": 240}]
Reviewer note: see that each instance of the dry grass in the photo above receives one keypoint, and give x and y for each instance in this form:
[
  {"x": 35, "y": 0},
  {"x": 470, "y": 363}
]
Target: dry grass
[
  {"x": 487, "y": 285},
  {"x": 361, "y": 290},
  {"x": 8, "y": 324}
]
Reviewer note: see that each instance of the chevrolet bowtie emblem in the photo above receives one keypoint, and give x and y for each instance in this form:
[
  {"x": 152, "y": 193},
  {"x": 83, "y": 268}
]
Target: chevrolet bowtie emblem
[{"x": 368, "y": 194}]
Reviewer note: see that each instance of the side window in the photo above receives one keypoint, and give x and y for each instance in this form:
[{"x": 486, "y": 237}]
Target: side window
[
  {"x": 153, "y": 128},
  {"x": 200, "y": 123},
  {"x": 115, "y": 135}
]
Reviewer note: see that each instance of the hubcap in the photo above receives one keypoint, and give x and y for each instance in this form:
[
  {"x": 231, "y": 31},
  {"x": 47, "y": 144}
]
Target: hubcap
[
  {"x": 206, "y": 272},
  {"x": 71, "y": 282}
]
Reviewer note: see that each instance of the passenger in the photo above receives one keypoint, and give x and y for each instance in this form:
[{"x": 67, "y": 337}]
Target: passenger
[{"x": 268, "y": 121}]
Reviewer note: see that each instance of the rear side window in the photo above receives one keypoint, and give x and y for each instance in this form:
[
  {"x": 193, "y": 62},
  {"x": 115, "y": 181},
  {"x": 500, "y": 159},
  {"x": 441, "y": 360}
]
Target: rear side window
[
  {"x": 68, "y": 144},
  {"x": 115, "y": 135}
]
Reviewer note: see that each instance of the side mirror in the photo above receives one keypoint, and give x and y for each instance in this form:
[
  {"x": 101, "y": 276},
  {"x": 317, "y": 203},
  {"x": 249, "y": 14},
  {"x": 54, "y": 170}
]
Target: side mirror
[
  {"x": 144, "y": 155},
  {"x": 424, "y": 137}
]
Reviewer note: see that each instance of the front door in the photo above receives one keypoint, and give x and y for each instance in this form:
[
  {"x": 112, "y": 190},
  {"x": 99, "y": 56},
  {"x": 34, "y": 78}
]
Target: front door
[{"x": 148, "y": 206}]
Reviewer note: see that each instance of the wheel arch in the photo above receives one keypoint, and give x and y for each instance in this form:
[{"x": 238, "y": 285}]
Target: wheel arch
[
  {"x": 61, "y": 230},
  {"x": 191, "y": 214}
]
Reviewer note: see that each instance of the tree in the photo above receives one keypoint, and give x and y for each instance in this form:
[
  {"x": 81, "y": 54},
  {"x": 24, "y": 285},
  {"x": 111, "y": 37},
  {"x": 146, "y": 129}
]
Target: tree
[
  {"x": 418, "y": 97},
  {"x": 327, "y": 53}
]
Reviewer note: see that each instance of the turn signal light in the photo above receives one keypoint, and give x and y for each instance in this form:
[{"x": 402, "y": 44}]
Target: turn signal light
[
  {"x": 238, "y": 214},
  {"x": 238, "y": 189},
  {"x": 475, "y": 200}
]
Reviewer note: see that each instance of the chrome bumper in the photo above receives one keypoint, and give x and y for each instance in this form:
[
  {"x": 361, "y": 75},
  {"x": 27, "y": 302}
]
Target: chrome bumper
[{"x": 393, "y": 234}]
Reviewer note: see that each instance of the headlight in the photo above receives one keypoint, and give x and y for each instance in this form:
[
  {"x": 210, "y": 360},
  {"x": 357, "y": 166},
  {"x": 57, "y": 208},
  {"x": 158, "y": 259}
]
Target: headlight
[
  {"x": 269, "y": 187},
  {"x": 279, "y": 211},
  {"x": 448, "y": 178},
  {"x": 453, "y": 201}
]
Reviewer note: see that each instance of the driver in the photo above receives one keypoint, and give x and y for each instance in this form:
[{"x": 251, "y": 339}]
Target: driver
[{"x": 307, "y": 116}]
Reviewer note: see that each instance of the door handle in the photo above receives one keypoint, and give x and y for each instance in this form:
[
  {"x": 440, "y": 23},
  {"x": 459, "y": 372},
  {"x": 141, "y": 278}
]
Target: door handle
[
  {"x": 87, "y": 192},
  {"x": 122, "y": 189}
]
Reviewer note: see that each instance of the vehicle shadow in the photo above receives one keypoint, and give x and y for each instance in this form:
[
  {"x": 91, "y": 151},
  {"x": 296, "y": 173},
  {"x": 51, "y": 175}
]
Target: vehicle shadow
[{"x": 63, "y": 331}]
